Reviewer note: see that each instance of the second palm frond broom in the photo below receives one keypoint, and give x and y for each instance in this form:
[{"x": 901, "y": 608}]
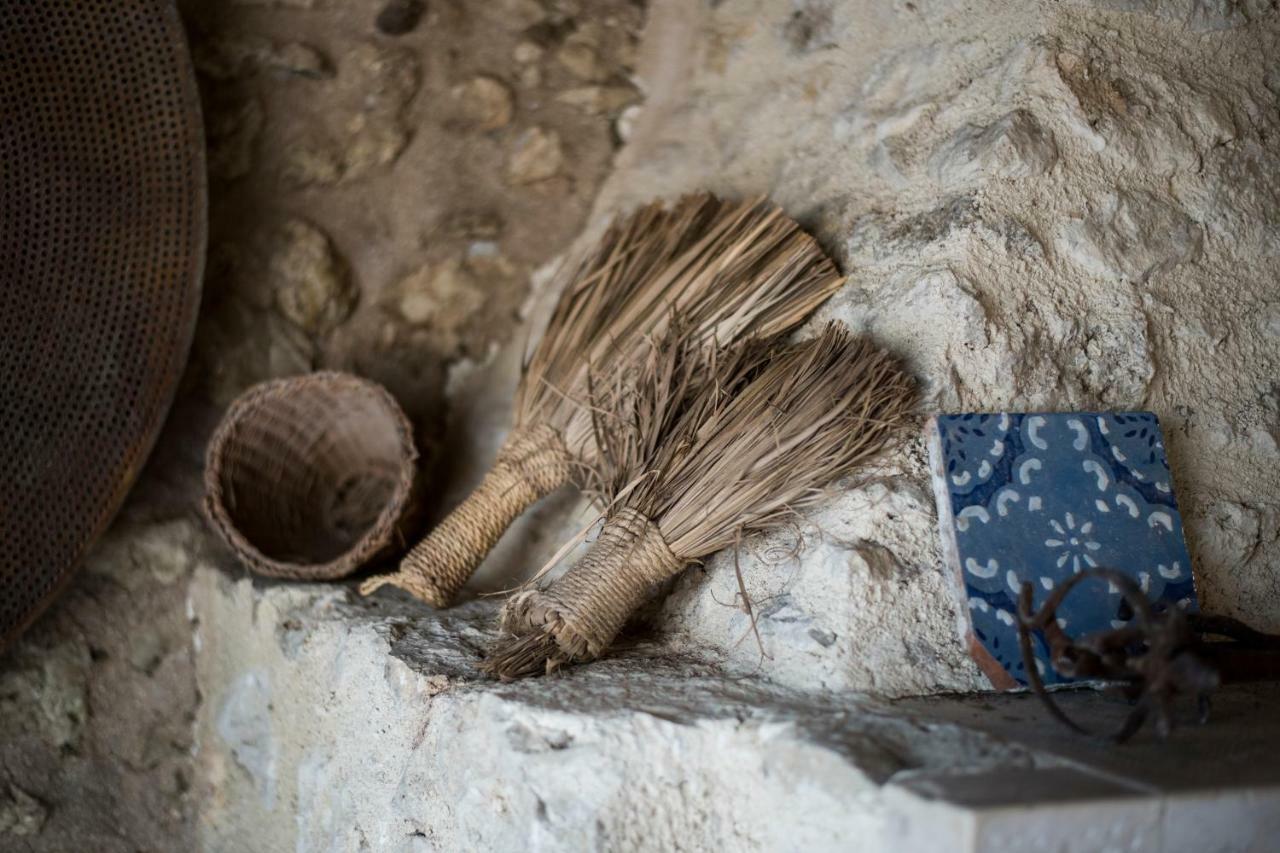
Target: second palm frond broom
[
  {"x": 722, "y": 270},
  {"x": 705, "y": 465}
]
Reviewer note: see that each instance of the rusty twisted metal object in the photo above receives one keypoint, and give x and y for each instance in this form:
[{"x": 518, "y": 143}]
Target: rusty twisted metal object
[
  {"x": 102, "y": 237},
  {"x": 1159, "y": 656}
]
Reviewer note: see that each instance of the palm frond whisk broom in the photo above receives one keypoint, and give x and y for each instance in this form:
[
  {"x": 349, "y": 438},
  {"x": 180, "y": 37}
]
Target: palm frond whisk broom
[
  {"x": 724, "y": 269},
  {"x": 742, "y": 454}
]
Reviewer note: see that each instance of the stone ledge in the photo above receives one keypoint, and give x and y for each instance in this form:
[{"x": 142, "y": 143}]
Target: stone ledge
[
  {"x": 1067, "y": 810},
  {"x": 329, "y": 723},
  {"x": 332, "y": 723}
]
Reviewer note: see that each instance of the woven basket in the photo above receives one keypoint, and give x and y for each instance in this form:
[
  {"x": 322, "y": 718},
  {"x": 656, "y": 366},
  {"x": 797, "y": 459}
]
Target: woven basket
[{"x": 313, "y": 477}]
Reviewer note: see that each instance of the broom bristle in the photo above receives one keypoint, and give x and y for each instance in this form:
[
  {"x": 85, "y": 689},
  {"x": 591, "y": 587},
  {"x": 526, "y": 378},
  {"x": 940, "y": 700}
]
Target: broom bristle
[
  {"x": 643, "y": 407},
  {"x": 725, "y": 269},
  {"x": 774, "y": 428},
  {"x": 524, "y": 657}
]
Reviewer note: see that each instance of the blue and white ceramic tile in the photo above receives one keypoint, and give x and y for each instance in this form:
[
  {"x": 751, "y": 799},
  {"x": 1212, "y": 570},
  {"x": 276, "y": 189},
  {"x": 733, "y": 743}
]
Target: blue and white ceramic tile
[{"x": 1040, "y": 497}]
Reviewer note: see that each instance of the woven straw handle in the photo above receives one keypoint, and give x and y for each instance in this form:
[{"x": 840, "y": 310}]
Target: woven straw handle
[
  {"x": 532, "y": 463},
  {"x": 586, "y": 607}
]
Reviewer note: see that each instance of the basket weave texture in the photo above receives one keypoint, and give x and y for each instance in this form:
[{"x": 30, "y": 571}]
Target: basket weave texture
[{"x": 313, "y": 477}]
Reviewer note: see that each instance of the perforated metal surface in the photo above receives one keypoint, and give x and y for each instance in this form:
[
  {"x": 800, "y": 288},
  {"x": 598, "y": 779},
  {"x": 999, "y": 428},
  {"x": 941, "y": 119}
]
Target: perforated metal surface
[{"x": 102, "y": 230}]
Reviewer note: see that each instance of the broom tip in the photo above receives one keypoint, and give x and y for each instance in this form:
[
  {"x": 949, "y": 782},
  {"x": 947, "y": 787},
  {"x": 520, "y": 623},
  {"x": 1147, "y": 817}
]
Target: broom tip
[
  {"x": 375, "y": 583},
  {"x": 419, "y": 588},
  {"x": 524, "y": 657}
]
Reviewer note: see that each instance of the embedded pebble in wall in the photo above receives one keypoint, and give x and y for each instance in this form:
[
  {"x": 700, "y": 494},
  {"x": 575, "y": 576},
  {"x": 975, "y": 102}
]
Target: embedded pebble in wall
[
  {"x": 536, "y": 156},
  {"x": 624, "y": 126},
  {"x": 582, "y": 60},
  {"x": 362, "y": 126},
  {"x": 441, "y": 298},
  {"x": 526, "y": 52},
  {"x": 521, "y": 14},
  {"x": 594, "y": 100},
  {"x": 485, "y": 102},
  {"x": 21, "y": 814},
  {"x": 312, "y": 285},
  {"x": 399, "y": 17},
  {"x": 241, "y": 57}
]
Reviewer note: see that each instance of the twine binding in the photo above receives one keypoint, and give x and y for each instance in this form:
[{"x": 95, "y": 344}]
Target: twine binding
[
  {"x": 532, "y": 463},
  {"x": 576, "y": 618}
]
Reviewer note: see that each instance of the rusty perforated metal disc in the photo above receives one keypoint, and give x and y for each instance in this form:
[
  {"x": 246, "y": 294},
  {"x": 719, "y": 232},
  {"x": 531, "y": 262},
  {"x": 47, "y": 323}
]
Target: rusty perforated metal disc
[{"x": 102, "y": 236}]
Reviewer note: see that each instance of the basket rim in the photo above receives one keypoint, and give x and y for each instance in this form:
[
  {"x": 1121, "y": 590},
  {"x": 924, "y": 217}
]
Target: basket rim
[{"x": 379, "y": 534}]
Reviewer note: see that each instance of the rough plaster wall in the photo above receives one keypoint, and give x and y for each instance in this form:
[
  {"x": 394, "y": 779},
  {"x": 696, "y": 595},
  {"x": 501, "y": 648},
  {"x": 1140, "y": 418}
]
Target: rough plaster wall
[
  {"x": 98, "y": 699},
  {"x": 1040, "y": 205}
]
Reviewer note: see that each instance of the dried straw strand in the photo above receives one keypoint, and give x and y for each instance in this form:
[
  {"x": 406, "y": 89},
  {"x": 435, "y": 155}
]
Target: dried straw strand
[
  {"x": 762, "y": 439},
  {"x": 724, "y": 269}
]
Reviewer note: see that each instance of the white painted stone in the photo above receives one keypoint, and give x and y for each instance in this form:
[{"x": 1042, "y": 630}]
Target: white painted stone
[
  {"x": 243, "y": 724},
  {"x": 1014, "y": 146},
  {"x": 934, "y": 318},
  {"x": 1115, "y": 821},
  {"x": 334, "y": 724},
  {"x": 856, "y": 604},
  {"x": 1065, "y": 810},
  {"x": 1131, "y": 236},
  {"x": 331, "y": 722},
  {"x": 1222, "y": 821}
]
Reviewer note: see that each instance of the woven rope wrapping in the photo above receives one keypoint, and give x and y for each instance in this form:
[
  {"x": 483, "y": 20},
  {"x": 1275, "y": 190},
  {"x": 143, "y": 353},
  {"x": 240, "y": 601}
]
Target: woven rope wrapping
[
  {"x": 587, "y": 606},
  {"x": 532, "y": 463}
]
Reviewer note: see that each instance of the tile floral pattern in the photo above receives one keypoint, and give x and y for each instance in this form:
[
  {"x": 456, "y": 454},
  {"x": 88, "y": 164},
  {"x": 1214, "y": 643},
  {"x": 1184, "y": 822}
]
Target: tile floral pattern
[{"x": 1040, "y": 497}]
